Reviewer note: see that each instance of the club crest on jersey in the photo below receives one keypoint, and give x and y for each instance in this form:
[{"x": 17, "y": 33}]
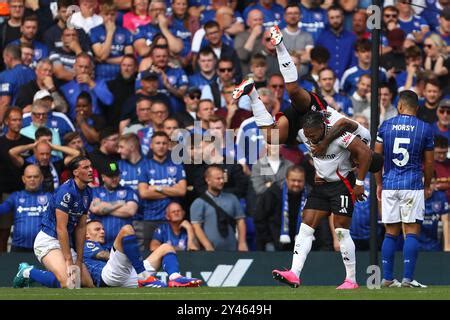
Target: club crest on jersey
[
  {"x": 54, "y": 123},
  {"x": 121, "y": 194},
  {"x": 66, "y": 198},
  {"x": 42, "y": 200},
  {"x": 85, "y": 200},
  {"x": 172, "y": 171},
  {"x": 102, "y": 194},
  {"x": 21, "y": 200},
  {"x": 120, "y": 38},
  {"x": 437, "y": 206},
  {"x": 90, "y": 245}
]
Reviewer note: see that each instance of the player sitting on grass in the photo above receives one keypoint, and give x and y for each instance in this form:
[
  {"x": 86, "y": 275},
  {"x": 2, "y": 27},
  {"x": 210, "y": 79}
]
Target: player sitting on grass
[{"x": 123, "y": 266}]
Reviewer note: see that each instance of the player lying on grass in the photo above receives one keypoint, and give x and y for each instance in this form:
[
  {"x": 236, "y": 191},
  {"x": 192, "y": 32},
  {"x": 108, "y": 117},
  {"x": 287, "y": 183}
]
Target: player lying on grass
[
  {"x": 287, "y": 125},
  {"x": 123, "y": 266}
]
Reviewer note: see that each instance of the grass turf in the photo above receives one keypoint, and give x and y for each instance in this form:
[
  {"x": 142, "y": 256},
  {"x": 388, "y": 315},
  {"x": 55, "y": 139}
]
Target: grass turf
[{"x": 238, "y": 293}]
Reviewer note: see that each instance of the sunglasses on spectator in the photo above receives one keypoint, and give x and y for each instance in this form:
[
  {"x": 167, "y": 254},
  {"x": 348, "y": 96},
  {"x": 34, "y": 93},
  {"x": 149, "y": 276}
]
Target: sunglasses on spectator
[
  {"x": 429, "y": 46},
  {"x": 390, "y": 15},
  {"x": 277, "y": 86},
  {"x": 446, "y": 110},
  {"x": 194, "y": 96},
  {"x": 267, "y": 39},
  {"x": 225, "y": 69}
]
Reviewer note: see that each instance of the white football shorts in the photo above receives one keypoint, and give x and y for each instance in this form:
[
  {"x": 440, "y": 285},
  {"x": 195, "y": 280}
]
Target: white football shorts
[
  {"x": 44, "y": 243},
  {"x": 118, "y": 271},
  {"x": 402, "y": 206}
]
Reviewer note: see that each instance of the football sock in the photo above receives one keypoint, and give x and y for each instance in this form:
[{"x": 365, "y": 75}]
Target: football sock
[
  {"x": 170, "y": 264},
  {"x": 348, "y": 252},
  {"x": 302, "y": 247},
  {"x": 45, "y": 278},
  {"x": 410, "y": 250},
  {"x": 387, "y": 255},
  {"x": 287, "y": 66},
  {"x": 262, "y": 116},
  {"x": 148, "y": 266},
  {"x": 131, "y": 250}
]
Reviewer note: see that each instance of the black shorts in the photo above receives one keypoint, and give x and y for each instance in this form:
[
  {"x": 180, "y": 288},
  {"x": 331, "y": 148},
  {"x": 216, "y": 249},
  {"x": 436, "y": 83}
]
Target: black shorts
[{"x": 333, "y": 197}]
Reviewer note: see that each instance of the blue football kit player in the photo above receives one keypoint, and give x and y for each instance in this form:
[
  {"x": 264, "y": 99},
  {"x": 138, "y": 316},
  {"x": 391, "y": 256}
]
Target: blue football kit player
[
  {"x": 407, "y": 144},
  {"x": 63, "y": 228},
  {"x": 29, "y": 206},
  {"x": 123, "y": 265}
]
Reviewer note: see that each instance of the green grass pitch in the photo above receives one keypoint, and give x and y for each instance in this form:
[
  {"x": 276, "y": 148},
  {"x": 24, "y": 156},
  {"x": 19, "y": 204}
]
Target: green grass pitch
[{"x": 237, "y": 293}]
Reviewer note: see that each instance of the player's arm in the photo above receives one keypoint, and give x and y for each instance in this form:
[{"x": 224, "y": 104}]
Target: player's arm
[
  {"x": 276, "y": 133},
  {"x": 62, "y": 219},
  {"x": 201, "y": 236},
  {"x": 15, "y": 153},
  {"x": 102, "y": 255},
  {"x": 242, "y": 240},
  {"x": 428, "y": 172},
  {"x": 154, "y": 244},
  {"x": 363, "y": 154},
  {"x": 80, "y": 238},
  {"x": 339, "y": 128},
  {"x": 177, "y": 190}
]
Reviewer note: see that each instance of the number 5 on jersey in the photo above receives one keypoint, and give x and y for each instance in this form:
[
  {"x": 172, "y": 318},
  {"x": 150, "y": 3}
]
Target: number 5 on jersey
[{"x": 399, "y": 150}]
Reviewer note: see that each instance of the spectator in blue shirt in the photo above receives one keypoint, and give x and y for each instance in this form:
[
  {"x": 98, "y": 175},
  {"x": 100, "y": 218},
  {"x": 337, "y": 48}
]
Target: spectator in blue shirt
[
  {"x": 29, "y": 30},
  {"x": 29, "y": 206},
  {"x": 132, "y": 163},
  {"x": 11, "y": 79},
  {"x": 406, "y": 79},
  {"x": 177, "y": 231},
  {"x": 109, "y": 43},
  {"x": 144, "y": 35},
  {"x": 273, "y": 12},
  {"x": 162, "y": 182},
  {"x": 338, "y": 41},
  {"x": 84, "y": 81},
  {"x": 432, "y": 12},
  {"x": 335, "y": 100},
  {"x": 414, "y": 26},
  {"x": 113, "y": 204},
  {"x": 206, "y": 74},
  {"x": 314, "y": 18}
]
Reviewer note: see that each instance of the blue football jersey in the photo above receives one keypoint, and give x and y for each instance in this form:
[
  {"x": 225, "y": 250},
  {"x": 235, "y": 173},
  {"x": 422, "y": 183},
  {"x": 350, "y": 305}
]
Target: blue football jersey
[
  {"x": 166, "y": 173},
  {"x": 165, "y": 234},
  {"x": 94, "y": 265},
  {"x": 71, "y": 200},
  {"x": 28, "y": 208},
  {"x": 130, "y": 173},
  {"x": 112, "y": 224},
  {"x": 435, "y": 206},
  {"x": 405, "y": 139},
  {"x": 12, "y": 79}
]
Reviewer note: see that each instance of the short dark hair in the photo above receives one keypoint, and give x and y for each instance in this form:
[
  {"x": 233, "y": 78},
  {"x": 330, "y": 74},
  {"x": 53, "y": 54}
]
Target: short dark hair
[
  {"x": 160, "y": 134},
  {"x": 14, "y": 51},
  {"x": 65, "y": 3},
  {"x": 211, "y": 24},
  {"x": 43, "y": 132},
  {"x": 408, "y": 98},
  {"x": 107, "y": 132},
  {"x": 320, "y": 54},
  {"x": 385, "y": 85},
  {"x": 336, "y": 8},
  {"x": 11, "y": 110},
  {"x": 363, "y": 45},
  {"x": 313, "y": 119},
  {"x": 75, "y": 163},
  {"x": 413, "y": 52},
  {"x": 69, "y": 136},
  {"x": 440, "y": 142},
  {"x": 32, "y": 17},
  {"x": 211, "y": 167},
  {"x": 206, "y": 51},
  {"x": 327, "y": 69},
  {"x": 86, "y": 96},
  {"x": 295, "y": 168}
]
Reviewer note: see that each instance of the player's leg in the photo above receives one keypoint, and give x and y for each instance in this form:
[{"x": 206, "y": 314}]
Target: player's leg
[
  {"x": 126, "y": 243},
  {"x": 347, "y": 247},
  {"x": 303, "y": 242},
  {"x": 166, "y": 256},
  {"x": 390, "y": 216},
  {"x": 300, "y": 98},
  {"x": 412, "y": 207},
  {"x": 86, "y": 279}
]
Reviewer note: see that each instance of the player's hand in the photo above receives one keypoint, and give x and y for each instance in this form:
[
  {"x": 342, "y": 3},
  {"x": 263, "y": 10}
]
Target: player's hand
[
  {"x": 192, "y": 246},
  {"x": 336, "y": 245},
  {"x": 358, "y": 191},
  {"x": 379, "y": 190},
  {"x": 319, "y": 149},
  {"x": 242, "y": 246},
  {"x": 428, "y": 192}
]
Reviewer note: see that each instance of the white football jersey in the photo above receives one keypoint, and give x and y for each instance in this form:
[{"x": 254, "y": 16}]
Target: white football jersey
[{"x": 333, "y": 116}]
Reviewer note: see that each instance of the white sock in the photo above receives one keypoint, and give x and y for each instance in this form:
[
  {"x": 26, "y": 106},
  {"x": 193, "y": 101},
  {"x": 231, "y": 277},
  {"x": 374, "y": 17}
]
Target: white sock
[
  {"x": 26, "y": 272},
  {"x": 262, "y": 116},
  {"x": 348, "y": 252},
  {"x": 143, "y": 275},
  {"x": 174, "y": 276},
  {"x": 287, "y": 66},
  {"x": 148, "y": 266},
  {"x": 303, "y": 243}
]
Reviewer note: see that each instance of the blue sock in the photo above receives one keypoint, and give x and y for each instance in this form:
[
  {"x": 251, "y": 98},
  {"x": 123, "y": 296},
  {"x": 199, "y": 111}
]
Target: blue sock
[
  {"x": 46, "y": 278},
  {"x": 410, "y": 250},
  {"x": 131, "y": 250},
  {"x": 170, "y": 263},
  {"x": 387, "y": 255}
]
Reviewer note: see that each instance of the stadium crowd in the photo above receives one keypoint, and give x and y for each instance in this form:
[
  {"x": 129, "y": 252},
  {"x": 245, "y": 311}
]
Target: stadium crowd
[{"x": 127, "y": 83}]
